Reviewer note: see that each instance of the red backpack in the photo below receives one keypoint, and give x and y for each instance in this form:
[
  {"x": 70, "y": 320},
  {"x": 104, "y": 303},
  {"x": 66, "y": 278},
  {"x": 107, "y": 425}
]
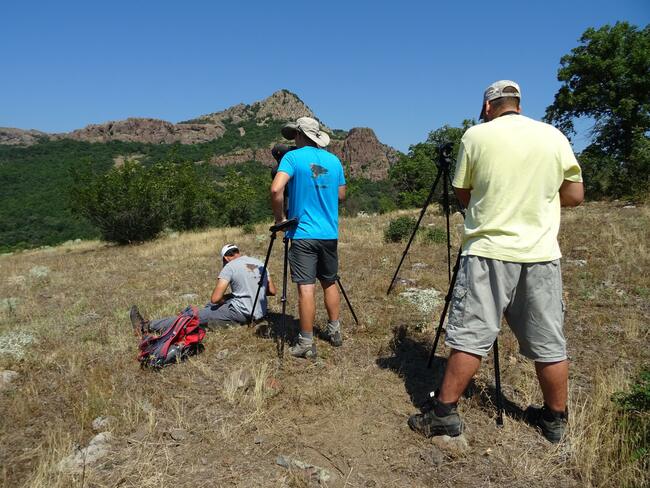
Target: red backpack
[{"x": 179, "y": 341}]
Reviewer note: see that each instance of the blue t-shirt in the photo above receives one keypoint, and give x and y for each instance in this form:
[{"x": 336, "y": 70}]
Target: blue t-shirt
[{"x": 315, "y": 177}]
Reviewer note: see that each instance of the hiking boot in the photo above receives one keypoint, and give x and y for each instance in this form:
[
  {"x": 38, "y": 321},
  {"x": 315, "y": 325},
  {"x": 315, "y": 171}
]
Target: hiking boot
[
  {"x": 551, "y": 424},
  {"x": 140, "y": 325},
  {"x": 332, "y": 335},
  {"x": 304, "y": 348},
  {"x": 442, "y": 419}
]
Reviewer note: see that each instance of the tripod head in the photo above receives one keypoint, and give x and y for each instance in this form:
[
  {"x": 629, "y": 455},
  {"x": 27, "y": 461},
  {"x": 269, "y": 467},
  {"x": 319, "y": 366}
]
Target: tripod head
[
  {"x": 283, "y": 225},
  {"x": 445, "y": 153}
]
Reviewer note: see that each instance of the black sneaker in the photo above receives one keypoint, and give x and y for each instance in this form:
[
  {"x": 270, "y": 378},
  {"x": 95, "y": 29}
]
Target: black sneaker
[
  {"x": 139, "y": 324},
  {"x": 332, "y": 335},
  {"x": 446, "y": 423},
  {"x": 551, "y": 424}
]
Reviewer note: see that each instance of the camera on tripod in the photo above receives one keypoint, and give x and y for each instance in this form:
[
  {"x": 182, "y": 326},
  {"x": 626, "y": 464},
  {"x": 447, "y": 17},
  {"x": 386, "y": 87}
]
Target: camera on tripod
[{"x": 445, "y": 154}]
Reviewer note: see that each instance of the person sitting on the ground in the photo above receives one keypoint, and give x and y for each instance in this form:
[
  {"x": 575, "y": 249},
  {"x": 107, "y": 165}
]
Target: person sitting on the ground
[{"x": 242, "y": 273}]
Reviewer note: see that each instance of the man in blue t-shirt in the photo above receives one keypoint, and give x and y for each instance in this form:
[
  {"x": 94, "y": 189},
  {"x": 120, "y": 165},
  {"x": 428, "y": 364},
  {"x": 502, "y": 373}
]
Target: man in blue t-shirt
[{"x": 316, "y": 184}]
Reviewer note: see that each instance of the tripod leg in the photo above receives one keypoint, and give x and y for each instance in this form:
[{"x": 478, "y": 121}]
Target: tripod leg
[
  {"x": 347, "y": 301},
  {"x": 261, "y": 282},
  {"x": 445, "y": 204},
  {"x": 415, "y": 229},
  {"x": 450, "y": 291},
  {"x": 497, "y": 383},
  {"x": 283, "y": 331}
]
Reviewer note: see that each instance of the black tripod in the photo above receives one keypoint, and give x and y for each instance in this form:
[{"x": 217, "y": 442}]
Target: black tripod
[
  {"x": 274, "y": 229},
  {"x": 444, "y": 162},
  {"x": 497, "y": 374}
]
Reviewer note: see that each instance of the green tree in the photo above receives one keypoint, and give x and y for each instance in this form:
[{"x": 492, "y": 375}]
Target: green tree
[
  {"x": 124, "y": 203},
  {"x": 237, "y": 198},
  {"x": 415, "y": 172},
  {"x": 607, "y": 78}
]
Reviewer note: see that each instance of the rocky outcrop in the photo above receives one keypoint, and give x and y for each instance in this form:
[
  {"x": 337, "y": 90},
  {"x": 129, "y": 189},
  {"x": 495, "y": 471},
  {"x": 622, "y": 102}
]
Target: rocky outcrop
[
  {"x": 153, "y": 131},
  {"x": 282, "y": 105},
  {"x": 359, "y": 149},
  {"x": 20, "y": 137},
  {"x": 263, "y": 155},
  {"x": 362, "y": 152}
]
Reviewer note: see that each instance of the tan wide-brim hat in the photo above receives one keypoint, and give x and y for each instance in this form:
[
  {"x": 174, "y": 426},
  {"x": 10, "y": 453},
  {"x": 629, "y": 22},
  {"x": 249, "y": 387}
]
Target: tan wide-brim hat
[{"x": 308, "y": 126}]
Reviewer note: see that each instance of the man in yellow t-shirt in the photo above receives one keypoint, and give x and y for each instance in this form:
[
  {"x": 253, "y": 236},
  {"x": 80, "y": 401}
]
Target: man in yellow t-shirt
[{"x": 513, "y": 174}]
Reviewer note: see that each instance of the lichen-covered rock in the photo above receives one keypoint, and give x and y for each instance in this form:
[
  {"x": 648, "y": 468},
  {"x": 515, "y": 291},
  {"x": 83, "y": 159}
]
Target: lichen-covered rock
[{"x": 98, "y": 448}]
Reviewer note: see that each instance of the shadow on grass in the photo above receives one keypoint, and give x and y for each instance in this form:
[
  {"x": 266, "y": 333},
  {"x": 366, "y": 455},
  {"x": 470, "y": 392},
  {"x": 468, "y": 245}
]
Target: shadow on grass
[
  {"x": 283, "y": 330},
  {"x": 409, "y": 359}
]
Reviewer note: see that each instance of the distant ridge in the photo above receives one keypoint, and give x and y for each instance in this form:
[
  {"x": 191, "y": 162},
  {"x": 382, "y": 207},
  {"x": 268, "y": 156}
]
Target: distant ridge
[{"x": 359, "y": 148}]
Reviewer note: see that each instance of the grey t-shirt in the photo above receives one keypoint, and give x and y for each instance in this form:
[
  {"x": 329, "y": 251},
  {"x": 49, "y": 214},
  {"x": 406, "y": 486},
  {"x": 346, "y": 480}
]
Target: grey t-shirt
[{"x": 243, "y": 274}]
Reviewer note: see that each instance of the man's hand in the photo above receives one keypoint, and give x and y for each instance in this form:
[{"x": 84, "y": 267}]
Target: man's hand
[{"x": 219, "y": 291}]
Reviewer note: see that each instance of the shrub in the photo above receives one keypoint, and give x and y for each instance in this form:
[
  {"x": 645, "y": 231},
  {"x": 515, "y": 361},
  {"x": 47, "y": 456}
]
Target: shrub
[
  {"x": 634, "y": 419},
  {"x": 134, "y": 203},
  {"x": 399, "y": 229},
  {"x": 248, "y": 229},
  {"x": 434, "y": 235}
]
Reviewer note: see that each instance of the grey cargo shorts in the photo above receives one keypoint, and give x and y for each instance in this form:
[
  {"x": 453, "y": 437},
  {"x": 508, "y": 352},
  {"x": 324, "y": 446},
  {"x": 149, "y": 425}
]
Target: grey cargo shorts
[{"x": 529, "y": 295}]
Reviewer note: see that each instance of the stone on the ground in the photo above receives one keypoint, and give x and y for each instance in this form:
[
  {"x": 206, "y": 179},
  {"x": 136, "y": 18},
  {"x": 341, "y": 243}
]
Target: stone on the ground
[
  {"x": 98, "y": 447},
  {"x": 316, "y": 473},
  {"x": 223, "y": 354},
  {"x": 426, "y": 299},
  {"x": 14, "y": 343},
  {"x": 102, "y": 423},
  {"x": 629, "y": 206},
  {"x": 39, "y": 272},
  {"x": 178, "y": 434},
  {"x": 455, "y": 445},
  {"x": 433, "y": 456},
  {"x": 240, "y": 378},
  {"x": 7, "y": 377}
]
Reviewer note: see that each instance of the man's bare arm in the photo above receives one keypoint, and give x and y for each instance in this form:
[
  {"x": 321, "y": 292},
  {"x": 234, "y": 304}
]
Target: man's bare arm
[
  {"x": 270, "y": 289},
  {"x": 219, "y": 291},
  {"x": 463, "y": 195},
  {"x": 342, "y": 193},
  {"x": 277, "y": 195},
  {"x": 572, "y": 194}
]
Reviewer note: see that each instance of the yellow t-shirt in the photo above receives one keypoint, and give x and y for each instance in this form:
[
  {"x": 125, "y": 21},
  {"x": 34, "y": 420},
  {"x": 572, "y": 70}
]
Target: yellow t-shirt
[{"x": 514, "y": 167}]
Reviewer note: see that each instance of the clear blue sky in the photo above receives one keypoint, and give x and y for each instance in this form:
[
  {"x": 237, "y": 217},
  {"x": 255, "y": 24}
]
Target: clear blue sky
[{"x": 402, "y": 68}]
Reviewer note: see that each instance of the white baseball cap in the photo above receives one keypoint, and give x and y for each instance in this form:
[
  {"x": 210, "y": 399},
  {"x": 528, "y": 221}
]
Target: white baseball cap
[
  {"x": 496, "y": 90},
  {"x": 226, "y": 248}
]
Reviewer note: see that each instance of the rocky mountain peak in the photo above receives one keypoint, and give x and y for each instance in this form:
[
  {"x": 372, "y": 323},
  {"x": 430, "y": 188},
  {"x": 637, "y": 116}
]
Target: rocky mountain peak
[{"x": 281, "y": 105}]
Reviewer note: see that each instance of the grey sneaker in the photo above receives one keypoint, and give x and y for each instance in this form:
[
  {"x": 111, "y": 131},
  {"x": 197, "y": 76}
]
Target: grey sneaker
[
  {"x": 304, "y": 348},
  {"x": 551, "y": 424},
  {"x": 332, "y": 335},
  {"x": 139, "y": 324},
  {"x": 429, "y": 424}
]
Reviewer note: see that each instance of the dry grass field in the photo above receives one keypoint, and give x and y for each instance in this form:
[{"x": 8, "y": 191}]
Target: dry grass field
[{"x": 224, "y": 417}]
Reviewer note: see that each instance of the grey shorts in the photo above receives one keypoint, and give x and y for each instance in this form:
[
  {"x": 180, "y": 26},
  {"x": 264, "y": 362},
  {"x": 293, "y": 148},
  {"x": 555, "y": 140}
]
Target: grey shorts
[
  {"x": 312, "y": 259},
  {"x": 529, "y": 295}
]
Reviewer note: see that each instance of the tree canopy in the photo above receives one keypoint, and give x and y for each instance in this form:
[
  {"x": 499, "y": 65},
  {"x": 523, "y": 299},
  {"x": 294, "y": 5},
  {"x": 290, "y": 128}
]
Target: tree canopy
[{"x": 607, "y": 78}]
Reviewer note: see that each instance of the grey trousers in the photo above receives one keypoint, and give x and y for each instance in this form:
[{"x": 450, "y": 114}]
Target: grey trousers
[{"x": 210, "y": 316}]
